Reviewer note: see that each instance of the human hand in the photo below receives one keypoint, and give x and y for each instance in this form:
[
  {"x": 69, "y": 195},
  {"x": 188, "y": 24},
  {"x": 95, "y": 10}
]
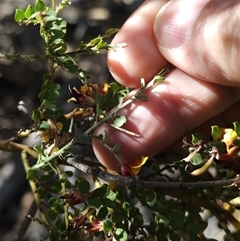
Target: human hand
[{"x": 200, "y": 38}]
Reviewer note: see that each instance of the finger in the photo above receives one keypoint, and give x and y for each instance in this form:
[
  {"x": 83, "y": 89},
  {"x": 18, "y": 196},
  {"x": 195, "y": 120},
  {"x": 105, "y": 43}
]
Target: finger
[
  {"x": 171, "y": 111},
  {"x": 202, "y": 38},
  {"x": 141, "y": 58}
]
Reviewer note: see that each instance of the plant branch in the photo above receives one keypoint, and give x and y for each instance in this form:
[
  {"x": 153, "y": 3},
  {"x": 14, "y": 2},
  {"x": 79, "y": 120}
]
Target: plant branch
[
  {"x": 33, "y": 187},
  {"x": 11, "y": 146},
  {"x": 109, "y": 116},
  {"x": 179, "y": 190},
  {"x": 29, "y": 57},
  {"x": 135, "y": 181}
]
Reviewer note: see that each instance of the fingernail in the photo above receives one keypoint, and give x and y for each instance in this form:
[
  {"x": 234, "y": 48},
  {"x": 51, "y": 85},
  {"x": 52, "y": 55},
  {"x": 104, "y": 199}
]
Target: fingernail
[{"x": 174, "y": 22}]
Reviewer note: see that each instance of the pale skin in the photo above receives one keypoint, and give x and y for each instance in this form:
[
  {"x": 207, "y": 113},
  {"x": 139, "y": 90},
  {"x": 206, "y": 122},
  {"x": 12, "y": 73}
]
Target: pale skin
[{"x": 201, "y": 91}]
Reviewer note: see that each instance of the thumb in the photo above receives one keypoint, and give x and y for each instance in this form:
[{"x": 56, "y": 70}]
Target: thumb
[{"x": 202, "y": 38}]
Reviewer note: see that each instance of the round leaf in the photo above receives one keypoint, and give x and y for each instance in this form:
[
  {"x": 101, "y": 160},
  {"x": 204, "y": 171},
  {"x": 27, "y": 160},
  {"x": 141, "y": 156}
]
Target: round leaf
[
  {"x": 148, "y": 197},
  {"x": 102, "y": 213},
  {"x": 107, "y": 226},
  {"x": 107, "y": 202},
  {"x": 29, "y": 11},
  {"x": 197, "y": 159},
  {"x": 40, "y": 6},
  {"x": 118, "y": 216},
  {"x": 102, "y": 191},
  {"x": 94, "y": 202},
  {"x": 82, "y": 185},
  {"x": 120, "y": 234},
  {"x": 134, "y": 211},
  {"x": 52, "y": 214},
  {"x": 19, "y": 15},
  {"x": 215, "y": 132},
  {"x": 119, "y": 121},
  {"x": 179, "y": 216}
]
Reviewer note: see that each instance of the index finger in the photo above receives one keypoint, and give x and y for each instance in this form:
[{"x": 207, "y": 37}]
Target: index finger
[{"x": 141, "y": 58}]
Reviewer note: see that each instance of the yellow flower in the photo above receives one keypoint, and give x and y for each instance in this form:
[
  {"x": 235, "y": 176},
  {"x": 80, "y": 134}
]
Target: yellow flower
[
  {"x": 55, "y": 128},
  {"x": 229, "y": 136},
  {"x": 136, "y": 166}
]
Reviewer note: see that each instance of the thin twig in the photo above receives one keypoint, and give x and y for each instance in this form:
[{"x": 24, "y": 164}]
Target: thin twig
[
  {"x": 109, "y": 116},
  {"x": 33, "y": 187},
  {"x": 10, "y": 146},
  {"x": 135, "y": 181}
]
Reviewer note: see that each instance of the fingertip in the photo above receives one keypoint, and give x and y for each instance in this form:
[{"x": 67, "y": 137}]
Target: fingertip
[{"x": 141, "y": 57}]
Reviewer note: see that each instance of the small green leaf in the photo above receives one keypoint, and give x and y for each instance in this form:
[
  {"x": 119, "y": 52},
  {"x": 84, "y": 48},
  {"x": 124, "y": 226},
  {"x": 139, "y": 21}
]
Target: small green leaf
[
  {"x": 19, "y": 15},
  {"x": 107, "y": 226},
  {"x": 68, "y": 173},
  {"x": 42, "y": 193},
  {"x": 82, "y": 185},
  {"x": 158, "y": 206},
  {"x": 196, "y": 137},
  {"x": 142, "y": 97},
  {"x": 94, "y": 41},
  {"x": 60, "y": 224},
  {"x": 120, "y": 234},
  {"x": 52, "y": 214},
  {"x": 44, "y": 177},
  {"x": 197, "y": 159},
  {"x": 57, "y": 187},
  {"x": 147, "y": 197},
  {"x": 236, "y": 125},
  {"x": 100, "y": 99},
  {"x": 44, "y": 94},
  {"x": 31, "y": 174},
  {"x": 47, "y": 81},
  {"x": 120, "y": 121},
  {"x": 54, "y": 95},
  {"x": 49, "y": 114},
  {"x": 134, "y": 211},
  {"x": 112, "y": 195},
  {"x": 118, "y": 216},
  {"x": 68, "y": 63},
  {"x": 53, "y": 201},
  {"x": 114, "y": 87},
  {"x": 173, "y": 223},
  {"x": 158, "y": 79},
  {"x": 44, "y": 126},
  {"x": 102, "y": 191},
  {"x": 111, "y": 31},
  {"x": 126, "y": 206},
  {"x": 197, "y": 229},
  {"x": 94, "y": 202},
  {"x": 107, "y": 202},
  {"x": 179, "y": 216},
  {"x": 116, "y": 148},
  {"x": 48, "y": 104},
  {"x": 215, "y": 132},
  {"x": 102, "y": 213},
  {"x": 29, "y": 11},
  {"x": 36, "y": 115},
  {"x": 56, "y": 204},
  {"x": 40, "y": 6}
]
